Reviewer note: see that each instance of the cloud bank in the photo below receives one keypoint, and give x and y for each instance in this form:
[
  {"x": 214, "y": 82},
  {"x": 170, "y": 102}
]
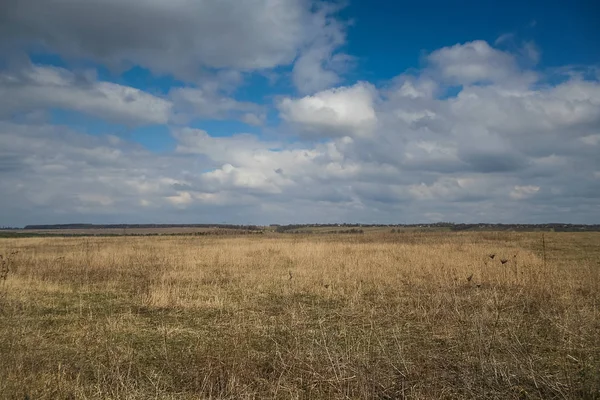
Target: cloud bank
[{"x": 477, "y": 134}]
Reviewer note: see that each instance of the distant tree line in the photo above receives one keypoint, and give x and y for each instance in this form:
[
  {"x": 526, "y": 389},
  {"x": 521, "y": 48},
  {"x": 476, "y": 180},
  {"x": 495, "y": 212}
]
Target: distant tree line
[
  {"x": 286, "y": 228},
  {"x": 557, "y": 227},
  {"x": 21, "y": 233},
  {"x": 527, "y": 227},
  {"x": 143, "y": 226},
  {"x": 309, "y": 232}
]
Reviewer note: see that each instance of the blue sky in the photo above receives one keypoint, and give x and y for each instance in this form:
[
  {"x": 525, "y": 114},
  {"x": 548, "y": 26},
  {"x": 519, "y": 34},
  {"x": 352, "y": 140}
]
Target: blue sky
[
  {"x": 299, "y": 111},
  {"x": 566, "y": 31}
]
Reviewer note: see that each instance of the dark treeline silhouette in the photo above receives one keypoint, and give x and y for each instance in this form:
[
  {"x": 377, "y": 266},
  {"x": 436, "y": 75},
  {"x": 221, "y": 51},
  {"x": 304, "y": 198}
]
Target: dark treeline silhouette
[
  {"x": 557, "y": 227},
  {"x": 143, "y": 226},
  {"x": 310, "y": 232},
  {"x": 528, "y": 227}
]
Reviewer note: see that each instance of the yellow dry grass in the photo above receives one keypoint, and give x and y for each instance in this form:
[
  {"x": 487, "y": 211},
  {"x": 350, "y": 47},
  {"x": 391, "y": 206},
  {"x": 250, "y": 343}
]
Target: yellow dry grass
[{"x": 409, "y": 315}]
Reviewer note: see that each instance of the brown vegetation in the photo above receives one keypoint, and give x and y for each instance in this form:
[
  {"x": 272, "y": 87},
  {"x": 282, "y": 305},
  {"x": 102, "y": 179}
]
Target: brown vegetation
[{"x": 379, "y": 315}]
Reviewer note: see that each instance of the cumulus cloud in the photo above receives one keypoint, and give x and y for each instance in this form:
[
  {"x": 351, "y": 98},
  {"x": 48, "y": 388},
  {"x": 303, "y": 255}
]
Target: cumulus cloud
[
  {"x": 413, "y": 88},
  {"x": 503, "y": 148},
  {"x": 35, "y": 88},
  {"x": 317, "y": 69},
  {"x": 254, "y": 119},
  {"x": 177, "y": 37},
  {"x": 451, "y": 189},
  {"x": 41, "y": 87},
  {"x": 345, "y": 111},
  {"x": 245, "y": 162},
  {"x": 473, "y": 62},
  {"x": 320, "y": 63},
  {"x": 190, "y": 103},
  {"x": 530, "y": 116},
  {"x": 65, "y": 175},
  {"x": 198, "y": 141}
]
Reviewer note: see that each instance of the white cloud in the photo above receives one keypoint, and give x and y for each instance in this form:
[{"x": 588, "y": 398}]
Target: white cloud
[
  {"x": 41, "y": 87},
  {"x": 181, "y": 199},
  {"x": 412, "y": 88},
  {"x": 192, "y": 103},
  {"x": 319, "y": 65},
  {"x": 462, "y": 188},
  {"x": 245, "y": 163},
  {"x": 197, "y": 141},
  {"x": 403, "y": 152},
  {"x": 568, "y": 104},
  {"x": 34, "y": 89},
  {"x": 113, "y": 177},
  {"x": 345, "y": 111},
  {"x": 310, "y": 74},
  {"x": 473, "y": 62},
  {"x": 230, "y": 177},
  {"x": 254, "y": 119}
]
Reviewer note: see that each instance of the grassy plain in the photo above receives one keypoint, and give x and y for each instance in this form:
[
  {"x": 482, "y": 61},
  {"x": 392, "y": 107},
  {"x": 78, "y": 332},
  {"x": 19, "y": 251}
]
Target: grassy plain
[{"x": 376, "y": 316}]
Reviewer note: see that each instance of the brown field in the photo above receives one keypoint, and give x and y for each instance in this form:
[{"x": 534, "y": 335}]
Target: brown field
[{"x": 374, "y": 316}]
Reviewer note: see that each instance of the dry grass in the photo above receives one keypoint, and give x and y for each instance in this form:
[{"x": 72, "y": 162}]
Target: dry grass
[{"x": 289, "y": 316}]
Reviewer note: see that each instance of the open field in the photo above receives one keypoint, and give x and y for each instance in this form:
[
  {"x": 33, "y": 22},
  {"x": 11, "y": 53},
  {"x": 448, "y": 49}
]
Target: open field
[{"x": 379, "y": 315}]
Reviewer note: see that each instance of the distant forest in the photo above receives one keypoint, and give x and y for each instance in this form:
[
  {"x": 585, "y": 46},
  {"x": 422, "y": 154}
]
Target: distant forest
[
  {"x": 557, "y": 227},
  {"x": 144, "y": 226}
]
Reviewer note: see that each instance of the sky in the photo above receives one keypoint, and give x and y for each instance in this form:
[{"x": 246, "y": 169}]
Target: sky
[{"x": 299, "y": 111}]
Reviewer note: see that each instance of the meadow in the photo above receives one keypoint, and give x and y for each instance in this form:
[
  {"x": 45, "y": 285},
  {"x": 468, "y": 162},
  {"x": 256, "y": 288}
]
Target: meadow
[{"x": 380, "y": 315}]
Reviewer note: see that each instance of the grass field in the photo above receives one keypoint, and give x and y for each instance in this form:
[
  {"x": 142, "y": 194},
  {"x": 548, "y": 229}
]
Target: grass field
[{"x": 374, "y": 316}]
